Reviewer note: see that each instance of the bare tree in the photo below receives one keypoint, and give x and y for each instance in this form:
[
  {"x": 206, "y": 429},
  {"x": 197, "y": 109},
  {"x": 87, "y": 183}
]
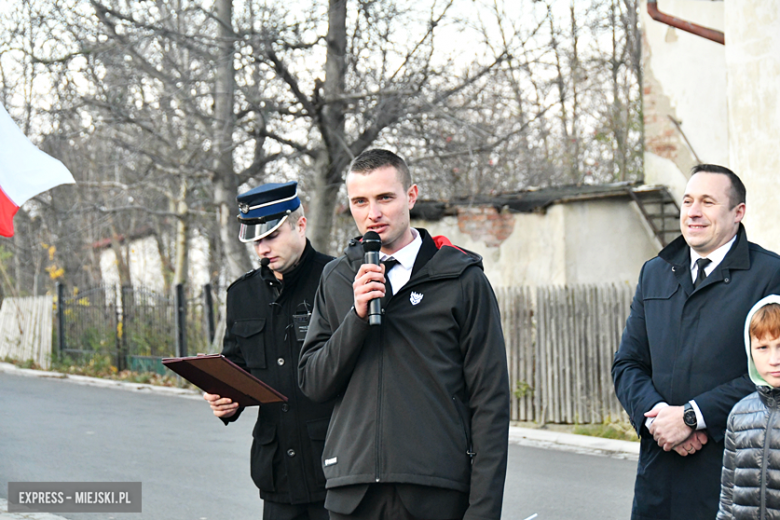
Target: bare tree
[{"x": 164, "y": 109}]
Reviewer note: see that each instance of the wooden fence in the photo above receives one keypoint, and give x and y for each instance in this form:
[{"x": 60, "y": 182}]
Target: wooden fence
[
  {"x": 560, "y": 343},
  {"x": 25, "y": 329}
]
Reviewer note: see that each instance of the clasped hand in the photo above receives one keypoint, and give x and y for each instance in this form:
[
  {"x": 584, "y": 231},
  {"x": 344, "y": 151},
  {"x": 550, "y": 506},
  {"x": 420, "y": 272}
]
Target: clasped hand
[{"x": 671, "y": 433}]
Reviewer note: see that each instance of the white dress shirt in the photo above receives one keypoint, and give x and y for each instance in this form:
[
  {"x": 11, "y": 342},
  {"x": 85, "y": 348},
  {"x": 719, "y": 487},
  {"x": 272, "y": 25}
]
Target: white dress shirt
[
  {"x": 716, "y": 257},
  {"x": 401, "y": 272}
]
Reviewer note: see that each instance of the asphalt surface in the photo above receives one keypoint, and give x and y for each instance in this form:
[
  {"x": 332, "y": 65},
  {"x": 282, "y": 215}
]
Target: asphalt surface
[{"x": 193, "y": 467}]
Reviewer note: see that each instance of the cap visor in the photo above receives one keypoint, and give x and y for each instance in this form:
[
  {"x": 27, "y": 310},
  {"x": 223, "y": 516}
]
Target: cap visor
[{"x": 254, "y": 232}]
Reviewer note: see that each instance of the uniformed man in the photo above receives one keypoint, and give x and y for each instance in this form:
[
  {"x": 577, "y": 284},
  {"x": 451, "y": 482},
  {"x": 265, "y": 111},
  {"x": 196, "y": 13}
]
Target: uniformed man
[{"x": 268, "y": 312}]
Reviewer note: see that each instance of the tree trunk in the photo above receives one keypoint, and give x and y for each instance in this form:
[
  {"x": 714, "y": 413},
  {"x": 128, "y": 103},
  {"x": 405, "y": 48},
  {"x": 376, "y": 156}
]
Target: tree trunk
[
  {"x": 334, "y": 159},
  {"x": 576, "y": 75},
  {"x": 560, "y": 83},
  {"x": 122, "y": 262},
  {"x": 225, "y": 180},
  {"x": 19, "y": 247},
  {"x": 323, "y": 206},
  {"x": 182, "y": 230}
]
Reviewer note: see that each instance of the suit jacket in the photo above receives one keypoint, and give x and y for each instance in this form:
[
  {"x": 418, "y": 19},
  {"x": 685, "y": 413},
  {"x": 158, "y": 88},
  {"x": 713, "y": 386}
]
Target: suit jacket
[{"x": 681, "y": 344}]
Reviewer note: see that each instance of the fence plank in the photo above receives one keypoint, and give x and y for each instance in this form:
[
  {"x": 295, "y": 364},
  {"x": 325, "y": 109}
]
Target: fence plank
[
  {"x": 529, "y": 345},
  {"x": 582, "y": 410}
]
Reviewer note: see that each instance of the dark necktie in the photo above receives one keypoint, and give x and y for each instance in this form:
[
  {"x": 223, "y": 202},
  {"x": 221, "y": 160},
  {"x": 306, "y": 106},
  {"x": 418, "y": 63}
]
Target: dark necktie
[
  {"x": 701, "y": 264},
  {"x": 389, "y": 263}
]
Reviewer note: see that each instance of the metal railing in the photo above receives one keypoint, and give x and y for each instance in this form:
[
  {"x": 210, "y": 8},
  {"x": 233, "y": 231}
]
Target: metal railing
[{"x": 133, "y": 327}]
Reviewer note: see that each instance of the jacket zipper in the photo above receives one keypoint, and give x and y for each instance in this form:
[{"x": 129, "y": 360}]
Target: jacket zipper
[
  {"x": 469, "y": 445},
  {"x": 379, "y": 406},
  {"x": 378, "y": 466},
  {"x": 764, "y": 463}
]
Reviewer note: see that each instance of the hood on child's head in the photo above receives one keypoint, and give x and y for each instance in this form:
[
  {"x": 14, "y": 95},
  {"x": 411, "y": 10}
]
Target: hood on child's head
[{"x": 754, "y": 375}]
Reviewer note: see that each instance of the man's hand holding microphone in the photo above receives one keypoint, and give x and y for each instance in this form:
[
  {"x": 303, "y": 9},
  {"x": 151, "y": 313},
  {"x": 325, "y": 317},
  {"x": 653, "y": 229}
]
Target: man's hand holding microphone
[{"x": 369, "y": 284}]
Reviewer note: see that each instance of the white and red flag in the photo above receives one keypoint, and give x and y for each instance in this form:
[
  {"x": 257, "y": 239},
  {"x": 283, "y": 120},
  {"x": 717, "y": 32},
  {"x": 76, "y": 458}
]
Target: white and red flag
[{"x": 25, "y": 171}]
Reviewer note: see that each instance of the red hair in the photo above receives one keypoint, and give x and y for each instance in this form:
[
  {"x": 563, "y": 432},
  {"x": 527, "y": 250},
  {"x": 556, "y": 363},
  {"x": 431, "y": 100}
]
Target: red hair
[{"x": 765, "y": 323}]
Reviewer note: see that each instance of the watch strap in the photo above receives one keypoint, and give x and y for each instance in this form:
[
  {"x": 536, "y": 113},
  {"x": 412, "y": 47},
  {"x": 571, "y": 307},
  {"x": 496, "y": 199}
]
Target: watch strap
[{"x": 689, "y": 416}]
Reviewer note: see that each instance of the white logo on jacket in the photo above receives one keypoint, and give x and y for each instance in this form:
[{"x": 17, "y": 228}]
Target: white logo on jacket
[{"x": 415, "y": 298}]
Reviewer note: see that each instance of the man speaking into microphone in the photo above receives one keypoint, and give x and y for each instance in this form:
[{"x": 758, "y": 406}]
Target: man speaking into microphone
[{"x": 420, "y": 425}]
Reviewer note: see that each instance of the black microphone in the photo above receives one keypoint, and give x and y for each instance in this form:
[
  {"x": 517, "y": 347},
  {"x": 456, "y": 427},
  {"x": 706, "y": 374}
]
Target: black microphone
[
  {"x": 371, "y": 245},
  {"x": 264, "y": 262}
]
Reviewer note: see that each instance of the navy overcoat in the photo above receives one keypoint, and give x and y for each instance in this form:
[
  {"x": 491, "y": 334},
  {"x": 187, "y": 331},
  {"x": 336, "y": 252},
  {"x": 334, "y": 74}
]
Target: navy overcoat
[{"x": 680, "y": 344}]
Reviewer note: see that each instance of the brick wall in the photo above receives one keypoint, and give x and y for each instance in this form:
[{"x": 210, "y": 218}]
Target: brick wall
[
  {"x": 486, "y": 224},
  {"x": 661, "y": 135}
]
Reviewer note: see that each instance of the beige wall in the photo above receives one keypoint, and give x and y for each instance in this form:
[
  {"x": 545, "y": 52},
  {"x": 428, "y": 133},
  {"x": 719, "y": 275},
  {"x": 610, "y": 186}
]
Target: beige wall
[
  {"x": 533, "y": 252},
  {"x": 146, "y": 265},
  {"x": 574, "y": 243},
  {"x": 606, "y": 241},
  {"x": 684, "y": 77},
  {"x": 753, "y": 61}
]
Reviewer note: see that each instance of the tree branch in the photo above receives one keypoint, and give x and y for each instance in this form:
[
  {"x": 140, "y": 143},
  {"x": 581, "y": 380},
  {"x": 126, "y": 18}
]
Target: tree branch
[{"x": 288, "y": 78}]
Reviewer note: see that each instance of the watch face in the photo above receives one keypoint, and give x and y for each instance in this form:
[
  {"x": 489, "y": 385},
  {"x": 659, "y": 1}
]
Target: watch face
[{"x": 690, "y": 418}]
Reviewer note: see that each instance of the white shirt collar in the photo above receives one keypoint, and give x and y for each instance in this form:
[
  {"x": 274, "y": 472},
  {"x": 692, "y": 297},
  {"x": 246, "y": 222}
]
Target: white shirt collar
[
  {"x": 716, "y": 256},
  {"x": 407, "y": 254}
]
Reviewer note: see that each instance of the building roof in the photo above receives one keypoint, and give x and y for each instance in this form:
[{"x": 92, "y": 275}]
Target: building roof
[
  {"x": 141, "y": 232},
  {"x": 531, "y": 200}
]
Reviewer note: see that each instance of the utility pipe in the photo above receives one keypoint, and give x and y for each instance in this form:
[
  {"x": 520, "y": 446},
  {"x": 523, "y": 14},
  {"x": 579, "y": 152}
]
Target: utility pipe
[{"x": 704, "y": 32}]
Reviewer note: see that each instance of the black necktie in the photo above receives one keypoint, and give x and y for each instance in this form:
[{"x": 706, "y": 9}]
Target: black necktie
[
  {"x": 389, "y": 263},
  {"x": 701, "y": 264}
]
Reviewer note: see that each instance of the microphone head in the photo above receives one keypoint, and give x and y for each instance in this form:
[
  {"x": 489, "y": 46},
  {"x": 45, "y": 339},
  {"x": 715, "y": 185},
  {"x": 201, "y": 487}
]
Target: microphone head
[
  {"x": 371, "y": 242},
  {"x": 264, "y": 262}
]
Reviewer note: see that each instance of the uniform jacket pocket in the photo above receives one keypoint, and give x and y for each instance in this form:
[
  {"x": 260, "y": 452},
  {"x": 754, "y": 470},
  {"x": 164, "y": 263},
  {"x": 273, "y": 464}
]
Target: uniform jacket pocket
[
  {"x": 249, "y": 334},
  {"x": 264, "y": 448},
  {"x": 660, "y": 292}
]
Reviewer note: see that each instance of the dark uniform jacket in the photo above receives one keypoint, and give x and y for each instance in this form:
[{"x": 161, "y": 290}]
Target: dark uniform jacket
[
  {"x": 422, "y": 399},
  {"x": 261, "y": 337},
  {"x": 680, "y": 344}
]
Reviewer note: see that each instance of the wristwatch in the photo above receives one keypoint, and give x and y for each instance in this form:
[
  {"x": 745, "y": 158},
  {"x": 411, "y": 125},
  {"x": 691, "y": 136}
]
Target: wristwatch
[{"x": 689, "y": 416}]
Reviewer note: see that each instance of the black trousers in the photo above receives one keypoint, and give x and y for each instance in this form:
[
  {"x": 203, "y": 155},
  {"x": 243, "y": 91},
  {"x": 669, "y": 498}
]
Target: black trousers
[
  {"x": 381, "y": 502},
  {"x": 310, "y": 511}
]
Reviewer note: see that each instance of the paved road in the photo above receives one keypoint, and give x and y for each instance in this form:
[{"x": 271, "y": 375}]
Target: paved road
[{"x": 194, "y": 468}]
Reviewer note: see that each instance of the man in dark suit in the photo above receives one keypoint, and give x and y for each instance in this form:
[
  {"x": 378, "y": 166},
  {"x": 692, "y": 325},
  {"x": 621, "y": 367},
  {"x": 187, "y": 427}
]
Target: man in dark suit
[
  {"x": 268, "y": 312},
  {"x": 681, "y": 364}
]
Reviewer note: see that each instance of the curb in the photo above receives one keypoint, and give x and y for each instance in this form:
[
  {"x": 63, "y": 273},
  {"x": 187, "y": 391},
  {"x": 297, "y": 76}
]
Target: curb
[
  {"x": 104, "y": 383},
  {"x": 574, "y": 443},
  {"x": 536, "y": 438}
]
